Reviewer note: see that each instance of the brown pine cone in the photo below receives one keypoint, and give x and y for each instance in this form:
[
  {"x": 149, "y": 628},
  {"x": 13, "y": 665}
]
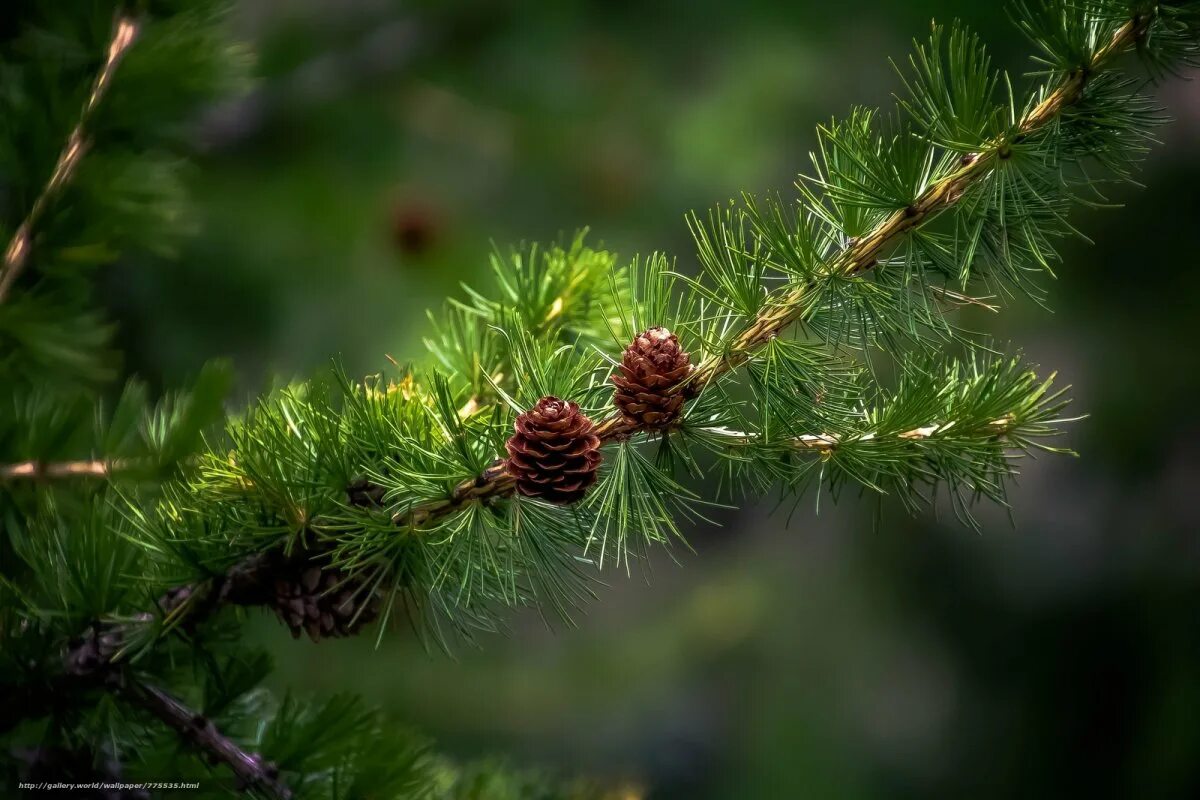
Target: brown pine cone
[
  {"x": 322, "y": 602},
  {"x": 554, "y": 453},
  {"x": 648, "y": 384}
]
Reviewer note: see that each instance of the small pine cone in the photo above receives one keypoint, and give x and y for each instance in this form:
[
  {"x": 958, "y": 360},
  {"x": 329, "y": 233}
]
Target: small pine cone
[
  {"x": 93, "y": 652},
  {"x": 648, "y": 385},
  {"x": 322, "y": 601},
  {"x": 554, "y": 453}
]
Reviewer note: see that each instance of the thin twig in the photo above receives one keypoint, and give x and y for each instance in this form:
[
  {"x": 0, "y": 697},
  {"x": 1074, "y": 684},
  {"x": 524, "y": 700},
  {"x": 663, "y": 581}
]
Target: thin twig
[
  {"x": 200, "y": 732},
  {"x": 247, "y": 582},
  {"x": 828, "y": 442},
  {"x": 960, "y": 299},
  {"x": 16, "y": 256},
  {"x": 52, "y": 470}
]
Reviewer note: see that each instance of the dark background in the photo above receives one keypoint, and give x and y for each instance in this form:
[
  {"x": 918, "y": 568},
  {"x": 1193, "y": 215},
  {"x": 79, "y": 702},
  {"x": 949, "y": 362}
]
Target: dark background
[{"x": 386, "y": 146}]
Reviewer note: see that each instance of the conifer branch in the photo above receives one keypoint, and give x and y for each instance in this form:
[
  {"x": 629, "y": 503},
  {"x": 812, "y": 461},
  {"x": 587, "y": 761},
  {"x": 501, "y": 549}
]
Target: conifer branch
[
  {"x": 496, "y": 481},
  {"x": 199, "y": 732},
  {"x": 865, "y": 253},
  {"x": 94, "y": 657},
  {"x": 859, "y": 257},
  {"x": 246, "y": 583},
  {"x": 16, "y": 256},
  {"x": 828, "y": 442}
]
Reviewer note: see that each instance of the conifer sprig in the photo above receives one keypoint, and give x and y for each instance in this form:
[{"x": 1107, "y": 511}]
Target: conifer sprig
[{"x": 399, "y": 483}]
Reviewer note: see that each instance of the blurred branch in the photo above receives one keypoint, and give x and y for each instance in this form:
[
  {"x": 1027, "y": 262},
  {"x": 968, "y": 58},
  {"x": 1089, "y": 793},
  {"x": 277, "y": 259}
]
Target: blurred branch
[
  {"x": 92, "y": 657},
  {"x": 246, "y": 583},
  {"x": 39, "y": 470},
  {"x": 200, "y": 732},
  {"x": 16, "y": 257}
]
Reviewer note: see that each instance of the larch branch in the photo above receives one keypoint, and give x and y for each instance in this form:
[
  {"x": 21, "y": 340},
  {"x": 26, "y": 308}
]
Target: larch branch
[{"x": 860, "y": 257}]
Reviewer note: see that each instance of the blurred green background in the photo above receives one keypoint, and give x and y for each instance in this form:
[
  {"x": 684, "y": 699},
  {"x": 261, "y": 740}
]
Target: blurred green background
[{"x": 855, "y": 654}]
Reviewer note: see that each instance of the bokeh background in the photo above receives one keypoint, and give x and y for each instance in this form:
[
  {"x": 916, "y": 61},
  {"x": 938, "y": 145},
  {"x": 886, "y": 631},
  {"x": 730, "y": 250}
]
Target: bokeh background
[{"x": 859, "y": 653}]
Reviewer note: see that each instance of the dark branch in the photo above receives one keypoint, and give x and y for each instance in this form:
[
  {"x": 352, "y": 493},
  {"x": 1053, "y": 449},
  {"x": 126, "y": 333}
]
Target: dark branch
[
  {"x": 200, "y": 732},
  {"x": 245, "y": 583},
  {"x": 90, "y": 660}
]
